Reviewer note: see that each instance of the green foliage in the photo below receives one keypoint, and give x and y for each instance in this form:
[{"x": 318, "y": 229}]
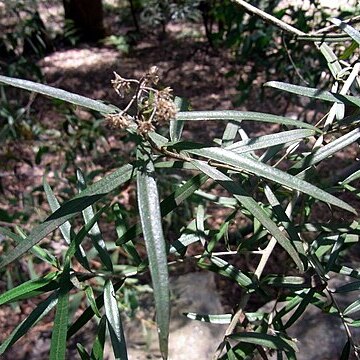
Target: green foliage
[{"x": 268, "y": 181}]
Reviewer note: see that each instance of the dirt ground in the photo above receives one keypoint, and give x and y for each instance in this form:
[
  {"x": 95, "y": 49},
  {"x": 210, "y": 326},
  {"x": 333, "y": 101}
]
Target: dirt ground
[{"x": 195, "y": 72}]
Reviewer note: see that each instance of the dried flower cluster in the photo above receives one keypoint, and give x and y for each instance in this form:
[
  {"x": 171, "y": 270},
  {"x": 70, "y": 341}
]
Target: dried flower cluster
[{"x": 148, "y": 105}]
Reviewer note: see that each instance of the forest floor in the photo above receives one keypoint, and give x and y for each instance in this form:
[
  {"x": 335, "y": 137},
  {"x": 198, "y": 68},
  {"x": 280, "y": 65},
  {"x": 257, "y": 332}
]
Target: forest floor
[{"x": 208, "y": 78}]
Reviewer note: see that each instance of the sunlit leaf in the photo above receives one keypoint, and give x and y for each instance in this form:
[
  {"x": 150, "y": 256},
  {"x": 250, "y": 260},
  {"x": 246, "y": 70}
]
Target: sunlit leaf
[
  {"x": 240, "y": 116},
  {"x": 30, "y": 288},
  {"x": 58, "y": 94},
  {"x": 68, "y": 210},
  {"x": 150, "y": 216},
  {"x": 114, "y": 322},
  {"x": 315, "y": 93},
  {"x": 355, "y": 35},
  {"x": 263, "y": 170},
  {"x": 94, "y": 233},
  {"x": 249, "y": 203},
  {"x": 213, "y": 319}
]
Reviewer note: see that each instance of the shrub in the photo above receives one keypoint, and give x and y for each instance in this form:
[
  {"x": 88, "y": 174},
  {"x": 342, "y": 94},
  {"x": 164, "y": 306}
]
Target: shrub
[{"x": 270, "y": 182}]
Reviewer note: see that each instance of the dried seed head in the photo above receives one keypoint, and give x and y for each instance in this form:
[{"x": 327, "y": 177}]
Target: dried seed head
[
  {"x": 145, "y": 127},
  {"x": 120, "y": 85},
  {"x": 117, "y": 121},
  {"x": 165, "y": 94},
  {"x": 152, "y": 75}
]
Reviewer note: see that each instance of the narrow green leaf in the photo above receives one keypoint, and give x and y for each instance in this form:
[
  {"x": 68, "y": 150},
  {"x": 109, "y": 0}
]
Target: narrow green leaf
[
  {"x": 230, "y": 133},
  {"x": 355, "y": 35},
  {"x": 340, "y": 38},
  {"x": 27, "y": 288},
  {"x": 315, "y": 93},
  {"x": 345, "y": 354},
  {"x": 58, "y": 94},
  {"x": 94, "y": 233},
  {"x": 84, "y": 231},
  {"x": 114, "y": 322},
  {"x": 168, "y": 204},
  {"x": 176, "y": 126},
  {"x": 352, "y": 308},
  {"x": 301, "y": 308},
  {"x": 58, "y": 337},
  {"x": 213, "y": 319},
  {"x": 240, "y": 116},
  {"x": 97, "y": 352},
  {"x": 82, "y": 352},
  {"x": 36, "y": 250},
  {"x": 65, "y": 228},
  {"x": 121, "y": 229},
  {"x": 222, "y": 267},
  {"x": 285, "y": 221},
  {"x": 268, "y": 172},
  {"x": 267, "y": 141},
  {"x": 326, "y": 151},
  {"x": 91, "y": 299},
  {"x": 285, "y": 281},
  {"x": 332, "y": 60},
  {"x": 88, "y": 313},
  {"x": 36, "y": 315},
  {"x": 354, "y": 286},
  {"x": 150, "y": 216},
  {"x": 250, "y": 204},
  {"x": 266, "y": 340},
  {"x": 68, "y": 210}
]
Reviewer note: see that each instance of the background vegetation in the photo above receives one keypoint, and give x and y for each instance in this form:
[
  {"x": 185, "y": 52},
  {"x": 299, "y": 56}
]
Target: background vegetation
[{"x": 227, "y": 200}]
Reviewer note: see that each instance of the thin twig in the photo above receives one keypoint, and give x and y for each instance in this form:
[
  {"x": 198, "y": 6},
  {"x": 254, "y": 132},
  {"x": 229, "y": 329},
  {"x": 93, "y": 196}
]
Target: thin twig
[{"x": 269, "y": 18}]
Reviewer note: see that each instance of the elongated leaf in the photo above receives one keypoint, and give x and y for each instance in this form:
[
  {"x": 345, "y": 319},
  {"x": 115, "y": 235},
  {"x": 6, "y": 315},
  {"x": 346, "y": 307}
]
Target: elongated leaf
[
  {"x": 95, "y": 234},
  {"x": 250, "y": 204},
  {"x": 345, "y": 354},
  {"x": 315, "y": 93},
  {"x": 97, "y": 352},
  {"x": 65, "y": 228},
  {"x": 355, "y": 35},
  {"x": 352, "y": 308},
  {"x": 240, "y": 116},
  {"x": 326, "y": 151},
  {"x": 266, "y": 340},
  {"x": 285, "y": 281},
  {"x": 176, "y": 126},
  {"x": 229, "y": 134},
  {"x": 39, "y": 252},
  {"x": 267, "y": 141},
  {"x": 58, "y": 94},
  {"x": 58, "y": 338},
  {"x": 354, "y": 286},
  {"x": 27, "y": 288},
  {"x": 213, "y": 319},
  {"x": 36, "y": 315},
  {"x": 68, "y": 210},
  {"x": 260, "y": 169},
  {"x": 339, "y": 38},
  {"x": 222, "y": 267},
  {"x": 84, "y": 231},
  {"x": 91, "y": 299},
  {"x": 88, "y": 313},
  {"x": 82, "y": 352},
  {"x": 285, "y": 221},
  {"x": 301, "y": 308},
  {"x": 150, "y": 216},
  {"x": 332, "y": 60},
  {"x": 168, "y": 204},
  {"x": 114, "y": 322}
]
